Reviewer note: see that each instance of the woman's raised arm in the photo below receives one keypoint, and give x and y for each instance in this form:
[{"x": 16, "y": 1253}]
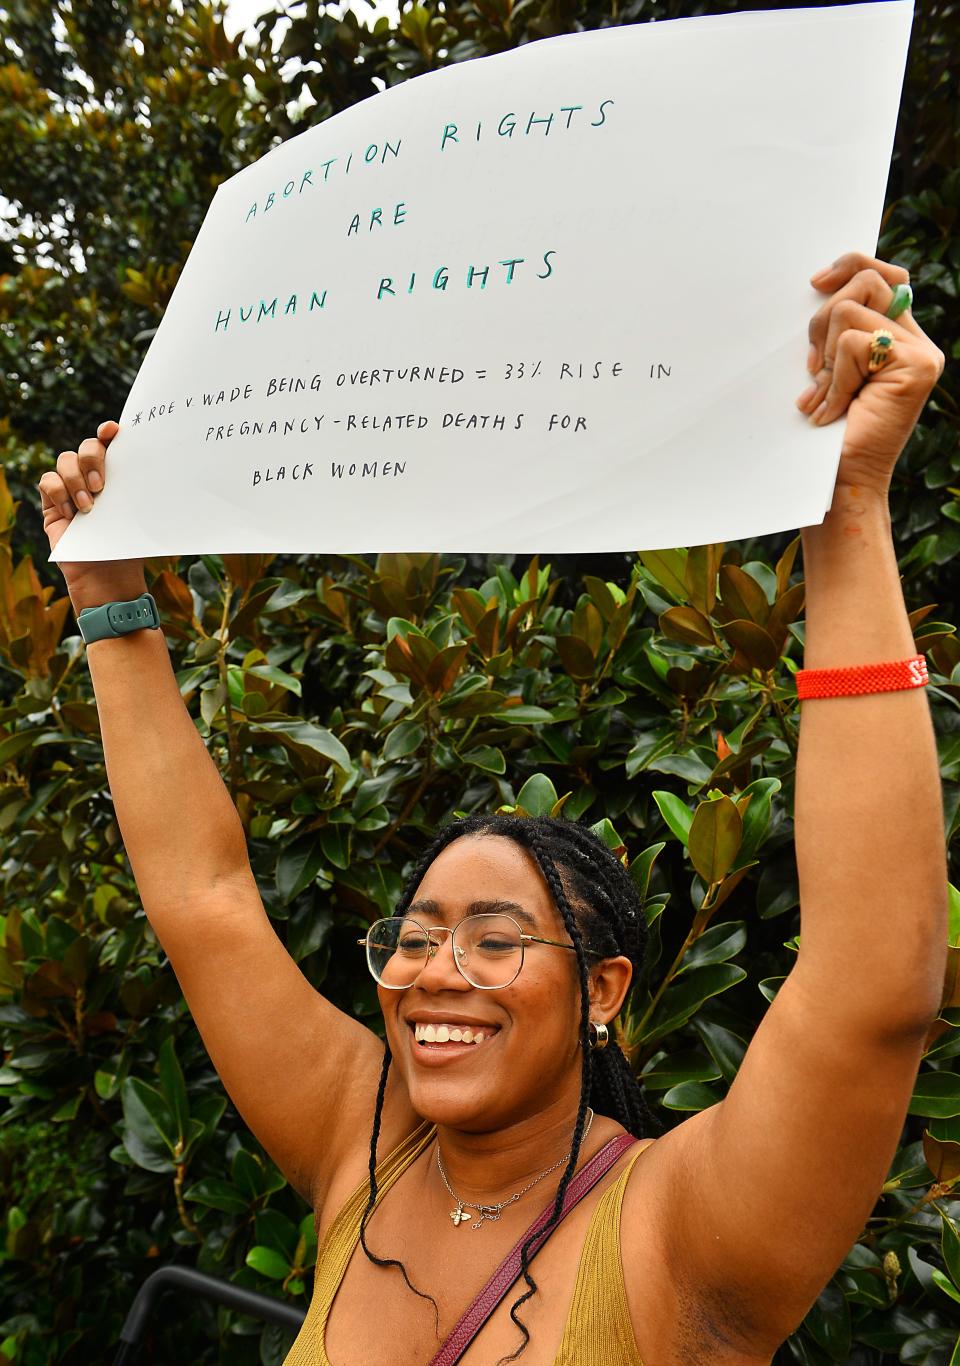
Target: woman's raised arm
[
  {"x": 779, "y": 1178},
  {"x": 282, "y": 1051}
]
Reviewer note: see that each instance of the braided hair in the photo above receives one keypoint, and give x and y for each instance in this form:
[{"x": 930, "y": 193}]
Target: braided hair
[{"x": 601, "y": 912}]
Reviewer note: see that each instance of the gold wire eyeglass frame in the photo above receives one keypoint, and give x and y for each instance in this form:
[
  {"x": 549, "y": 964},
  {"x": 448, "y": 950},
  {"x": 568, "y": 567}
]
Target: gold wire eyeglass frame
[{"x": 428, "y": 930}]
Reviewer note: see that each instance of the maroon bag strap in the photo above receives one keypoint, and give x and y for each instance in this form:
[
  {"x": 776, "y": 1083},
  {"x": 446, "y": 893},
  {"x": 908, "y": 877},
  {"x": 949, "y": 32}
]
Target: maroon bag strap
[{"x": 508, "y": 1272}]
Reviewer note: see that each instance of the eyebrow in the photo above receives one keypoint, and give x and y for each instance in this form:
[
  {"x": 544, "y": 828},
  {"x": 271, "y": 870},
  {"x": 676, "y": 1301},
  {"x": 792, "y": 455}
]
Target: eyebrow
[{"x": 428, "y": 907}]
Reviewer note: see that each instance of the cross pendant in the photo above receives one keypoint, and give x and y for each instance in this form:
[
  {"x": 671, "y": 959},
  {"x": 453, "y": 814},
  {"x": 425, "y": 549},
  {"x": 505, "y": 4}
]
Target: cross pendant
[{"x": 459, "y": 1215}]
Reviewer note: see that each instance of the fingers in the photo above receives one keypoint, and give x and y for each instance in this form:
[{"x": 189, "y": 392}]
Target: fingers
[
  {"x": 79, "y": 476},
  {"x": 867, "y": 287},
  {"x": 845, "y": 267},
  {"x": 917, "y": 364},
  {"x": 844, "y": 315},
  {"x": 848, "y": 376}
]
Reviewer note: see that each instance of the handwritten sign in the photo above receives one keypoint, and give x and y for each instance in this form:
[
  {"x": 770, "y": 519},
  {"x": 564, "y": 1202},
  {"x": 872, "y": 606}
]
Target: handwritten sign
[{"x": 552, "y": 300}]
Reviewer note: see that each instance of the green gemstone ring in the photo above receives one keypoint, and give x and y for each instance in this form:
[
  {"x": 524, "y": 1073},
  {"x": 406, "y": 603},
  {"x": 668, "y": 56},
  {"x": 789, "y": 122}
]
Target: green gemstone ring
[
  {"x": 901, "y": 301},
  {"x": 881, "y": 349}
]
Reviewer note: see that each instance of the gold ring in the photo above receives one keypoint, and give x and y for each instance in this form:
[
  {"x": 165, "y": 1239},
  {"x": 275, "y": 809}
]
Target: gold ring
[{"x": 881, "y": 349}]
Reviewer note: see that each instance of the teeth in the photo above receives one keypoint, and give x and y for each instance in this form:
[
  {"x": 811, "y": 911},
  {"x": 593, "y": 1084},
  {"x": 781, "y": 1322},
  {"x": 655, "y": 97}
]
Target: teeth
[{"x": 428, "y": 1033}]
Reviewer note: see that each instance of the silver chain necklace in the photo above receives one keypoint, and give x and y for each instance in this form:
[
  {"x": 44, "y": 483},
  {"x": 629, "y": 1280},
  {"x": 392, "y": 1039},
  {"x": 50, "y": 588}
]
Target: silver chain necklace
[{"x": 491, "y": 1212}]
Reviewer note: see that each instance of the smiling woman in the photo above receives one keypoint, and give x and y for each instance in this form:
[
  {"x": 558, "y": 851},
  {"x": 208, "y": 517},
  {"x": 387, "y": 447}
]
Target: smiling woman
[
  {"x": 508, "y": 1158},
  {"x": 485, "y": 911}
]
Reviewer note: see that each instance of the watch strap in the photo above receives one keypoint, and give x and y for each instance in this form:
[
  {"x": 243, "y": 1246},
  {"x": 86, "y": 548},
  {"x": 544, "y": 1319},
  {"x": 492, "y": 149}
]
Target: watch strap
[{"x": 118, "y": 618}]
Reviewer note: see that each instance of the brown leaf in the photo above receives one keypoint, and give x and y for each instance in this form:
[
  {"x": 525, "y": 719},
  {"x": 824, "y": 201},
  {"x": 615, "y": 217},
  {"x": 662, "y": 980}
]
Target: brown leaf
[
  {"x": 246, "y": 570},
  {"x": 752, "y": 643},
  {"x": 588, "y": 625},
  {"x": 444, "y": 668},
  {"x": 785, "y": 566},
  {"x": 575, "y": 657},
  {"x": 945, "y": 653},
  {"x": 703, "y": 564},
  {"x": 742, "y": 595},
  {"x": 922, "y": 613},
  {"x": 942, "y": 1157},
  {"x": 786, "y": 610},
  {"x": 487, "y": 630},
  {"x": 604, "y": 600},
  {"x": 173, "y": 597},
  {"x": 688, "y": 625},
  {"x": 471, "y": 605}
]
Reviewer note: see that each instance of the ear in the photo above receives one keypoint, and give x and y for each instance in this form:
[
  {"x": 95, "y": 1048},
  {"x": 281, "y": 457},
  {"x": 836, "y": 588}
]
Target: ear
[{"x": 609, "y": 983}]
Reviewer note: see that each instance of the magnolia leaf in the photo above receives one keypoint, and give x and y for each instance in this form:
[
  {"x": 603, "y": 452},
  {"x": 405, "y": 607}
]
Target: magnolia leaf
[
  {"x": 677, "y": 815},
  {"x": 307, "y": 736},
  {"x": 753, "y": 643},
  {"x": 714, "y": 838},
  {"x": 538, "y": 796},
  {"x": 173, "y": 1086},
  {"x": 217, "y": 1194},
  {"x": 268, "y": 1263},
  {"x": 690, "y": 1095},
  {"x": 687, "y": 994},
  {"x": 488, "y": 758},
  {"x": 668, "y": 567},
  {"x": 575, "y": 656},
  {"x": 936, "y": 1094},
  {"x": 688, "y": 625},
  {"x": 703, "y": 564},
  {"x": 642, "y": 866},
  {"x": 403, "y": 740},
  {"x": 297, "y": 866},
  {"x": 678, "y": 1068}
]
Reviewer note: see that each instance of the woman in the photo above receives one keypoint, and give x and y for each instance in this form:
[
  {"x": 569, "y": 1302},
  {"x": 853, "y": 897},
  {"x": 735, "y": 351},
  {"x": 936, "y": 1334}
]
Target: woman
[{"x": 708, "y": 1243}]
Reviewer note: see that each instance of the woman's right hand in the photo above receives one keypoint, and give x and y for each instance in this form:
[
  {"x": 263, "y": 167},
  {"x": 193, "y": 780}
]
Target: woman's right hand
[{"x": 80, "y": 475}]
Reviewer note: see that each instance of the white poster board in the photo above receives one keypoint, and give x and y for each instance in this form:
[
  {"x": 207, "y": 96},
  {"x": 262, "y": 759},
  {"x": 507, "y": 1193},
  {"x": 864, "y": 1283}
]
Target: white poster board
[{"x": 553, "y": 300}]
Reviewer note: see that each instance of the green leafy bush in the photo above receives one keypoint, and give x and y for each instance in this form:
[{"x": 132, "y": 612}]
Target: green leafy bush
[{"x": 353, "y": 704}]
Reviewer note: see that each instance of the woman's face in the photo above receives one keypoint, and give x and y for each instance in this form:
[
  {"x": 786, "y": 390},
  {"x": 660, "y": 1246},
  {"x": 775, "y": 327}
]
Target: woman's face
[{"x": 529, "y": 1057}]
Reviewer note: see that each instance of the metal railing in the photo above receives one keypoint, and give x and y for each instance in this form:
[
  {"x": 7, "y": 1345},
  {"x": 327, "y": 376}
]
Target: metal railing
[{"x": 184, "y": 1278}]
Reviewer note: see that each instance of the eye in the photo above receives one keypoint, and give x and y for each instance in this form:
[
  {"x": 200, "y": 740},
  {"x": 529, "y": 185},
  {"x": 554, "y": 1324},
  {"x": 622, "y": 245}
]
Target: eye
[{"x": 413, "y": 943}]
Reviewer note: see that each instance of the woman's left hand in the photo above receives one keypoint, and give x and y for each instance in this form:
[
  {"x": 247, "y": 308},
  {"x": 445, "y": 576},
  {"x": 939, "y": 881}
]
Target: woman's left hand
[{"x": 882, "y": 408}]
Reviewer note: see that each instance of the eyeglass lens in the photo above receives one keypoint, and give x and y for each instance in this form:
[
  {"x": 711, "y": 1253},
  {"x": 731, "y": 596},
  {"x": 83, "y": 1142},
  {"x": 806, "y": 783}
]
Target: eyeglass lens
[{"x": 488, "y": 949}]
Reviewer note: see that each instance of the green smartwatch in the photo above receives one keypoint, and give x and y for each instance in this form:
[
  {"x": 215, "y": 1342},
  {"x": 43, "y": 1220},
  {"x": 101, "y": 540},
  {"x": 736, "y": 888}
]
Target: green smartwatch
[{"x": 118, "y": 618}]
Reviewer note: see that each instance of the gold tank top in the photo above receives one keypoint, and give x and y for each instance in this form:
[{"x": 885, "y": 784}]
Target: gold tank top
[{"x": 598, "y": 1329}]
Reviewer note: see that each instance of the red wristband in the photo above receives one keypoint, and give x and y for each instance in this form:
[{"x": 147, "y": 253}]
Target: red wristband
[{"x": 863, "y": 678}]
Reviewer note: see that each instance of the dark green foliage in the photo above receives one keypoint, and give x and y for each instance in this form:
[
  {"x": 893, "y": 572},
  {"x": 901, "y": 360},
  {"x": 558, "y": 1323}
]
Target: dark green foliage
[{"x": 353, "y": 705}]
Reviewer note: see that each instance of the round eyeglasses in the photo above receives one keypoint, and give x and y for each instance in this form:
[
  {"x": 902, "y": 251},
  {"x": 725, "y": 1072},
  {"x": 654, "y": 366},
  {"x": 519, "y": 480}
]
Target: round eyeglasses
[{"x": 487, "y": 949}]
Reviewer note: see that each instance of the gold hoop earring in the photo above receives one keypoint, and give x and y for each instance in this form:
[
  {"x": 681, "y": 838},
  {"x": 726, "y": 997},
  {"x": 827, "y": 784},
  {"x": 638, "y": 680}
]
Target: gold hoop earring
[{"x": 599, "y": 1034}]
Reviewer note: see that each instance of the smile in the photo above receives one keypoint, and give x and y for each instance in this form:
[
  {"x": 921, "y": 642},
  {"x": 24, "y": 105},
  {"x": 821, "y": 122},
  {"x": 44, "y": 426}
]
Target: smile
[{"x": 435, "y": 1042}]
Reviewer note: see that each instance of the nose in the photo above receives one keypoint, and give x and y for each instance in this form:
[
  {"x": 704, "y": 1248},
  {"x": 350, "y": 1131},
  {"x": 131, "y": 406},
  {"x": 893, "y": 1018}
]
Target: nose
[{"x": 440, "y": 972}]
